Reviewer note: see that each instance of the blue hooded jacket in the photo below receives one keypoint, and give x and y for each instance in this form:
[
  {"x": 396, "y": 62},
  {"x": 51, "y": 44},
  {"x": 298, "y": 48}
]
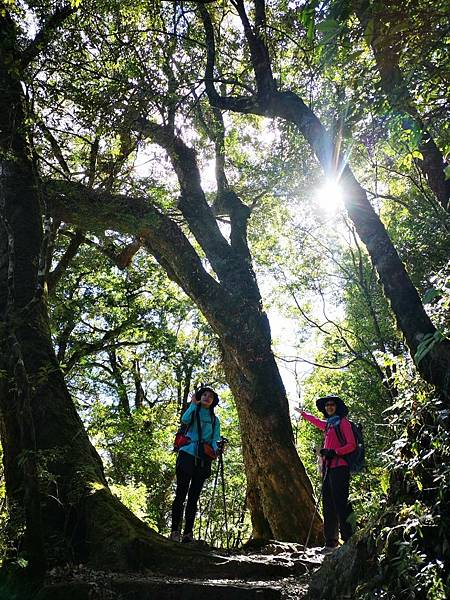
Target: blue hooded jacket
[{"x": 206, "y": 425}]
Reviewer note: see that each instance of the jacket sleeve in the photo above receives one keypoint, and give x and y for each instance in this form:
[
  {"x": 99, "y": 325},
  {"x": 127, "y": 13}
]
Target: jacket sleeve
[
  {"x": 187, "y": 415},
  {"x": 350, "y": 442},
  {"x": 320, "y": 423}
]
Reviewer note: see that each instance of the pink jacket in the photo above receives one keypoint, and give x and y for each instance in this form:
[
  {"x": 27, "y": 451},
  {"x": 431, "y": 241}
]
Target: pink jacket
[{"x": 331, "y": 440}]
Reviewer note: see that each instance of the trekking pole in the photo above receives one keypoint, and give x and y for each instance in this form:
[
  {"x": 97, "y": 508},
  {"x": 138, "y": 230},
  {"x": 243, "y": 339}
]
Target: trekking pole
[
  {"x": 211, "y": 503},
  {"x": 223, "y": 497},
  {"x": 317, "y": 506}
]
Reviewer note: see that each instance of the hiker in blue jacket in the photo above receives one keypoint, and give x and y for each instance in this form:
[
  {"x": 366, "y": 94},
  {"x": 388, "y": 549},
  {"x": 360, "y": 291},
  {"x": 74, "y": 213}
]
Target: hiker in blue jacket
[{"x": 194, "y": 459}]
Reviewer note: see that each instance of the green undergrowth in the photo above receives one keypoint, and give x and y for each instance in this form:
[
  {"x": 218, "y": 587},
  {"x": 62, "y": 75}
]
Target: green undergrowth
[{"x": 410, "y": 539}]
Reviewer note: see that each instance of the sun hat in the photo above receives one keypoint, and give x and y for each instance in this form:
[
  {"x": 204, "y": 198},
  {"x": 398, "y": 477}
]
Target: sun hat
[
  {"x": 206, "y": 388},
  {"x": 341, "y": 408}
]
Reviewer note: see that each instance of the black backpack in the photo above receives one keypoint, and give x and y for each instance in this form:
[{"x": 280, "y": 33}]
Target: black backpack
[{"x": 356, "y": 460}]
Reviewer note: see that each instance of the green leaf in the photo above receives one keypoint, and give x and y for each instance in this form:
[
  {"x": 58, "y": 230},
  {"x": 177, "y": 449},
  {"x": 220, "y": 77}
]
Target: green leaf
[
  {"x": 22, "y": 563},
  {"x": 310, "y": 31},
  {"x": 330, "y": 25},
  {"x": 428, "y": 342}
]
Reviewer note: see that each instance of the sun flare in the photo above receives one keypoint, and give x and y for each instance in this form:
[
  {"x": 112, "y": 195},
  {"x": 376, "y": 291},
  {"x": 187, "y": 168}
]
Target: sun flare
[{"x": 329, "y": 196}]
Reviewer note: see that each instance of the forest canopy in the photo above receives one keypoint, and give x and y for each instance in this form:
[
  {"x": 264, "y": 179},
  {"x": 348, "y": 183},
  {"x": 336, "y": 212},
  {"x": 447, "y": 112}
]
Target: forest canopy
[{"x": 251, "y": 195}]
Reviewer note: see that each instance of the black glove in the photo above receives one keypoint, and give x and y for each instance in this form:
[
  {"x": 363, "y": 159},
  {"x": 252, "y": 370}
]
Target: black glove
[
  {"x": 327, "y": 453},
  {"x": 221, "y": 445}
]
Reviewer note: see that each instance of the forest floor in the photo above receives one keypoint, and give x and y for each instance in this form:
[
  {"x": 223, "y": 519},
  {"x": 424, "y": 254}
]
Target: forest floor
[{"x": 277, "y": 571}]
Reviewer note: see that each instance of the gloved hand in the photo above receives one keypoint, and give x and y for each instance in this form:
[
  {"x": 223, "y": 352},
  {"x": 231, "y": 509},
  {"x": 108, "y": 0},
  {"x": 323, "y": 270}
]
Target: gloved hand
[
  {"x": 327, "y": 453},
  {"x": 221, "y": 444}
]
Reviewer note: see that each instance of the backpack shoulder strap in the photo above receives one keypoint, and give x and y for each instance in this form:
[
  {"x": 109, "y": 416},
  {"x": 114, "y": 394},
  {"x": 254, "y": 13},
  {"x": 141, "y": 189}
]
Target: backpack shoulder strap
[
  {"x": 340, "y": 435},
  {"x": 213, "y": 419},
  {"x": 199, "y": 425},
  {"x": 189, "y": 425}
]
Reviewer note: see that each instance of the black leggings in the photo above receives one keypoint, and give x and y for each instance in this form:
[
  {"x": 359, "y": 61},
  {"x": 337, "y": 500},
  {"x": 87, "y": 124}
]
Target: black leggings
[
  {"x": 336, "y": 507},
  {"x": 190, "y": 476}
]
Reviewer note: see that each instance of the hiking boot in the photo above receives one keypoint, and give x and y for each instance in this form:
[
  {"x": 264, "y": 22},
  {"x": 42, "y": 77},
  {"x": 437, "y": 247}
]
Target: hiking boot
[
  {"x": 187, "y": 538},
  {"x": 175, "y": 536}
]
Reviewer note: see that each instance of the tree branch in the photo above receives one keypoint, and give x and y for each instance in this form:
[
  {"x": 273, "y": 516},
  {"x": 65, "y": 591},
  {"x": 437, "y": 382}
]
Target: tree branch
[
  {"x": 244, "y": 104},
  {"x": 258, "y": 48},
  {"x": 227, "y": 202},
  {"x": 55, "y": 147},
  {"x": 45, "y": 35},
  {"x": 98, "y": 211},
  {"x": 316, "y": 364},
  {"x": 72, "y": 249},
  {"x": 234, "y": 272}
]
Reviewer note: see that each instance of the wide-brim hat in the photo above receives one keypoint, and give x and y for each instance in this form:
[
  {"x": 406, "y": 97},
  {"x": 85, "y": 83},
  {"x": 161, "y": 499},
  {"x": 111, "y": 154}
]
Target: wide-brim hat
[
  {"x": 341, "y": 408},
  {"x": 206, "y": 388}
]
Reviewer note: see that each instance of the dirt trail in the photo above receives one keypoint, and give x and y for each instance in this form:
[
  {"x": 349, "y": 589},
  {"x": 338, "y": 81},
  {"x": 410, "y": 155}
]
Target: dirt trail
[{"x": 276, "y": 571}]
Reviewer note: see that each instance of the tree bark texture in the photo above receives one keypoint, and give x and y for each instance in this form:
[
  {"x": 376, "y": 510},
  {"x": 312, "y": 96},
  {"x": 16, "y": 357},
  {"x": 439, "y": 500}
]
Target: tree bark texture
[
  {"x": 18, "y": 252},
  {"x": 271, "y": 462}
]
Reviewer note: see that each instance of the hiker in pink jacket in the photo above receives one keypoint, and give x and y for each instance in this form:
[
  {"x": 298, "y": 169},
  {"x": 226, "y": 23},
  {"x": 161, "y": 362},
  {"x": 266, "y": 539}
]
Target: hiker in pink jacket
[{"x": 338, "y": 442}]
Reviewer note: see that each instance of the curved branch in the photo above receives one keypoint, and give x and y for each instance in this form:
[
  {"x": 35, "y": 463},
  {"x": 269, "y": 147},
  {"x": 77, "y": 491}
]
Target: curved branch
[
  {"x": 98, "y": 211},
  {"x": 72, "y": 249},
  {"x": 232, "y": 264},
  {"x": 244, "y": 104},
  {"x": 258, "y": 48},
  {"x": 316, "y": 364}
]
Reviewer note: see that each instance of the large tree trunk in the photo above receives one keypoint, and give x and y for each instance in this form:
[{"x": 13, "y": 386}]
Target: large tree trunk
[
  {"x": 20, "y": 237},
  {"x": 79, "y": 516},
  {"x": 280, "y": 501}
]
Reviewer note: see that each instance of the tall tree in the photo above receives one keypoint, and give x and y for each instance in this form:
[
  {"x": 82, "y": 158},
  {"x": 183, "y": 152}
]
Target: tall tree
[
  {"x": 422, "y": 337},
  {"x": 233, "y": 308},
  {"x": 70, "y": 512}
]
